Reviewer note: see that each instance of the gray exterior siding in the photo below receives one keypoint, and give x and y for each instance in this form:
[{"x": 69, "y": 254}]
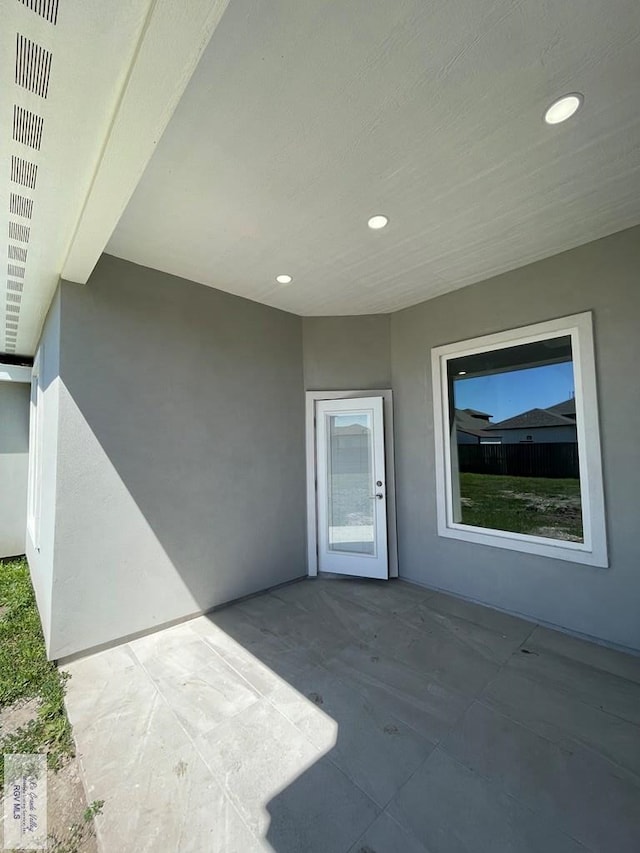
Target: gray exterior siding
[
  {"x": 602, "y": 276},
  {"x": 173, "y": 472},
  {"x": 539, "y": 435},
  {"x": 180, "y": 462}
]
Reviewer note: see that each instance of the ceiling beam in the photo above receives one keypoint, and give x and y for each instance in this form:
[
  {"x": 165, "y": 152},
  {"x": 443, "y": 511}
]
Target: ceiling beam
[
  {"x": 14, "y": 372},
  {"x": 172, "y": 42}
]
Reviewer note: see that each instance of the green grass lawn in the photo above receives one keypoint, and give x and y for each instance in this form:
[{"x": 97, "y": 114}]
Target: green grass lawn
[
  {"x": 535, "y": 505},
  {"x": 25, "y": 672}
]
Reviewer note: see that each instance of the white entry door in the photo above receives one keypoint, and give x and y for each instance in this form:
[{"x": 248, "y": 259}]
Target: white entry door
[{"x": 351, "y": 488}]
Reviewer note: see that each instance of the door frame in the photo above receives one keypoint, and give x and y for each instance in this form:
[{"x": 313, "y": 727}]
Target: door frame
[{"x": 311, "y": 397}]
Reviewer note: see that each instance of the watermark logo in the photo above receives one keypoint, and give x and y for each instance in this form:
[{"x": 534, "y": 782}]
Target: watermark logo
[{"x": 25, "y": 802}]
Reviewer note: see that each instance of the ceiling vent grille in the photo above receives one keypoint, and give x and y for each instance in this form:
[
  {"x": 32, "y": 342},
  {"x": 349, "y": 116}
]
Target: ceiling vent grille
[
  {"x": 14, "y": 297},
  {"x": 47, "y": 9},
  {"x": 17, "y": 253},
  {"x": 33, "y": 66},
  {"x": 11, "y": 326},
  {"x": 19, "y": 232},
  {"x": 17, "y": 272},
  {"x": 13, "y": 309},
  {"x": 20, "y": 205},
  {"x": 15, "y": 285},
  {"x": 27, "y": 127},
  {"x": 23, "y": 172}
]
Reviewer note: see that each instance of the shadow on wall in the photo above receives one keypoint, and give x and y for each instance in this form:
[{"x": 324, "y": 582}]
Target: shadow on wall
[{"x": 180, "y": 454}]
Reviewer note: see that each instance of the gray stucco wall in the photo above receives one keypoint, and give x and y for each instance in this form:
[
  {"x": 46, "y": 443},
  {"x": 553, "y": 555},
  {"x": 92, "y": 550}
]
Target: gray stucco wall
[
  {"x": 180, "y": 482},
  {"x": 14, "y": 466},
  {"x": 601, "y": 276},
  {"x": 345, "y": 353}
]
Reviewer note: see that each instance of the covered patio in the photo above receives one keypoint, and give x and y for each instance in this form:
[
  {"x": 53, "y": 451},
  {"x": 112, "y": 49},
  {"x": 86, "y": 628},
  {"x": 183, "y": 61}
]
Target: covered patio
[{"x": 344, "y": 715}]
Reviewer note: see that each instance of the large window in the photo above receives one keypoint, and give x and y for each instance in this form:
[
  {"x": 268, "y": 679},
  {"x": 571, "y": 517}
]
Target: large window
[{"x": 517, "y": 441}]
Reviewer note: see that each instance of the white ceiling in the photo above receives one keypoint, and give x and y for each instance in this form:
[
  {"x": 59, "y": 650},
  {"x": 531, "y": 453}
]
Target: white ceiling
[
  {"x": 74, "y": 120},
  {"x": 99, "y": 81},
  {"x": 306, "y": 117}
]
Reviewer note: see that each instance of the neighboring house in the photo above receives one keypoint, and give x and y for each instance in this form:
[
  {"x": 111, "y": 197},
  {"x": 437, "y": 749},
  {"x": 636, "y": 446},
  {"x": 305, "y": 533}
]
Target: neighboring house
[
  {"x": 350, "y": 448},
  {"x": 472, "y": 427},
  {"x": 185, "y": 232},
  {"x": 536, "y": 426},
  {"x": 567, "y": 408}
]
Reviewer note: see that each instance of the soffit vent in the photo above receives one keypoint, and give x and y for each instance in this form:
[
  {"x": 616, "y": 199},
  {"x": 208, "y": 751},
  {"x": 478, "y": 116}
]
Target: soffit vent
[
  {"x": 47, "y": 9},
  {"x": 15, "y": 285},
  {"x": 19, "y": 232},
  {"x": 14, "y": 297},
  {"x": 17, "y": 253},
  {"x": 12, "y": 309},
  {"x": 20, "y": 205},
  {"x": 11, "y": 326},
  {"x": 27, "y": 127},
  {"x": 33, "y": 66},
  {"x": 16, "y": 271},
  {"x": 23, "y": 172}
]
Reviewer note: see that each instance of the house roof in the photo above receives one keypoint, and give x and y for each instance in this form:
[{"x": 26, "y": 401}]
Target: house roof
[
  {"x": 534, "y": 418},
  {"x": 566, "y": 407},
  {"x": 476, "y": 414},
  {"x": 467, "y": 421},
  {"x": 351, "y": 429}
]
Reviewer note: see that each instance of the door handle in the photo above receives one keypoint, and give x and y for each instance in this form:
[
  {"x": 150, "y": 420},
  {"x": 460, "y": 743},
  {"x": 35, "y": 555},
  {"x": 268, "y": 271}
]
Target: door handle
[{"x": 379, "y": 496}]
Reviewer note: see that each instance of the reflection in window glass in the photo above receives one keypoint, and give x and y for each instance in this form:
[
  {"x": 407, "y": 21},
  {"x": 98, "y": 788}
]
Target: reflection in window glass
[
  {"x": 350, "y": 460},
  {"x": 514, "y": 443}
]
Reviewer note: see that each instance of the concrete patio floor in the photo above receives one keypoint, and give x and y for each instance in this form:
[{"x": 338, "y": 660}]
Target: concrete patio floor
[{"x": 338, "y": 715}]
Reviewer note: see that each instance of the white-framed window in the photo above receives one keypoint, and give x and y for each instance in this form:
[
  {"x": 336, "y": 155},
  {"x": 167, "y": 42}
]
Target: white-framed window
[
  {"x": 34, "y": 490},
  {"x": 541, "y": 495}
]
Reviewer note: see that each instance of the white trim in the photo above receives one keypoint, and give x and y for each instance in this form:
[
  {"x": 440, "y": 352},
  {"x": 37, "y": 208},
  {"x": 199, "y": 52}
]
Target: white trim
[
  {"x": 353, "y": 563},
  {"x": 310, "y": 446},
  {"x": 34, "y": 482},
  {"x": 593, "y": 551},
  {"x": 15, "y": 373},
  {"x": 173, "y": 40}
]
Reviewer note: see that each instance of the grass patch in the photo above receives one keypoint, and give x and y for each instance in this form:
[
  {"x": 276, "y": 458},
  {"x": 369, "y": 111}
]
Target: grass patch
[
  {"x": 78, "y": 832},
  {"x": 538, "y": 506},
  {"x": 25, "y": 672}
]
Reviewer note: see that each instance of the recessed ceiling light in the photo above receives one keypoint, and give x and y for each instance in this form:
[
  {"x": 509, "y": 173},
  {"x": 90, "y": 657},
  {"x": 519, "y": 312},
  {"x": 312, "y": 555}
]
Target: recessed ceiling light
[
  {"x": 284, "y": 279},
  {"x": 462, "y": 373},
  {"x": 563, "y": 108},
  {"x": 377, "y": 222}
]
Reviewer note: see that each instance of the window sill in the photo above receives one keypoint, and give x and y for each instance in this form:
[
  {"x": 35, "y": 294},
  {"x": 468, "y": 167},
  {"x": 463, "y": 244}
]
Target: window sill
[{"x": 573, "y": 552}]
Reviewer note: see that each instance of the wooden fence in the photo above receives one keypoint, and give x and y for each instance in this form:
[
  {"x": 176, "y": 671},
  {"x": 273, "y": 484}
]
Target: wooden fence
[{"x": 520, "y": 460}]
